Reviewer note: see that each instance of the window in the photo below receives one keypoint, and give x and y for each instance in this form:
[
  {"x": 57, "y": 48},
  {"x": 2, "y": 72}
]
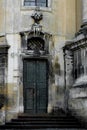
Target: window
[
  {"x": 36, "y": 43},
  {"x": 42, "y": 3},
  {"x": 80, "y": 62}
]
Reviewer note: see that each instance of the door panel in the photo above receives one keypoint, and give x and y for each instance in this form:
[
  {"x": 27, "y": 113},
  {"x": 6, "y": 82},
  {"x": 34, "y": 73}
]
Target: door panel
[
  {"x": 35, "y": 86},
  {"x": 30, "y": 96},
  {"x": 30, "y": 70},
  {"x": 41, "y": 100},
  {"x": 41, "y": 70}
]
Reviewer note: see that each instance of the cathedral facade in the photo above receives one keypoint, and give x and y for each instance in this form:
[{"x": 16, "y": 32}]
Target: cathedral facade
[{"x": 36, "y": 37}]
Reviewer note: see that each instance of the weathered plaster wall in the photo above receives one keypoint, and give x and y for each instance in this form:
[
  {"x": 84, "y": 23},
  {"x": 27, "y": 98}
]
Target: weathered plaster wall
[
  {"x": 13, "y": 73},
  {"x": 2, "y": 17},
  {"x": 78, "y": 14}
]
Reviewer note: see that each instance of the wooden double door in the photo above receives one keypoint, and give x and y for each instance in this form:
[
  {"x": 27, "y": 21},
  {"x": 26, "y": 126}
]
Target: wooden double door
[{"x": 35, "y": 82}]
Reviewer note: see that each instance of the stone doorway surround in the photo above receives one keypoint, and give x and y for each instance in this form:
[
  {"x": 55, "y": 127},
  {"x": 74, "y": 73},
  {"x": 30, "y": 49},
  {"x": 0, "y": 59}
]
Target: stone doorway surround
[{"x": 34, "y": 45}]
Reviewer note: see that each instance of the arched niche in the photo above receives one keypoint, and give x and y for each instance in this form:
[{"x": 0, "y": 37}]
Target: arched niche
[{"x": 35, "y": 42}]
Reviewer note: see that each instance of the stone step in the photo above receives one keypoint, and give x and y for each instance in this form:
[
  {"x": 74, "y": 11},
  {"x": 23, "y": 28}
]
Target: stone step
[
  {"x": 40, "y": 115},
  {"x": 40, "y": 126},
  {"x": 42, "y": 122},
  {"x": 52, "y": 117}
]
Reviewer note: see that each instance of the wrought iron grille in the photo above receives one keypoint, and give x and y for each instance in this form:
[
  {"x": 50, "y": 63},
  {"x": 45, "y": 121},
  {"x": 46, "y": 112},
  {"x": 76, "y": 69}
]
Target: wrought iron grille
[
  {"x": 35, "y": 43},
  {"x": 42, "y": 3}
]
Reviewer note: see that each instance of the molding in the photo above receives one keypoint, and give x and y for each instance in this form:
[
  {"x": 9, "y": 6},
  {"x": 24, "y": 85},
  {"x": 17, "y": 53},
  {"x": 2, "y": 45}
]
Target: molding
[{"x": 23, "y": 56}]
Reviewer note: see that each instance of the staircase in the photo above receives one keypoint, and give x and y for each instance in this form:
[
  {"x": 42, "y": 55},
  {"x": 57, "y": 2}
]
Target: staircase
[{"x": 42, "y": 122}]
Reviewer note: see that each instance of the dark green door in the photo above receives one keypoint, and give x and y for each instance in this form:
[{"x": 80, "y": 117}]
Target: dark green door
[{"x": 35, "y": 81}]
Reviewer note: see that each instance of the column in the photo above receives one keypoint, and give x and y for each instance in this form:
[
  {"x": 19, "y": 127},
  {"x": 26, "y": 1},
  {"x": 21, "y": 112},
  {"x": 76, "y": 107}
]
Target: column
[{"x": 84, "y": 11}]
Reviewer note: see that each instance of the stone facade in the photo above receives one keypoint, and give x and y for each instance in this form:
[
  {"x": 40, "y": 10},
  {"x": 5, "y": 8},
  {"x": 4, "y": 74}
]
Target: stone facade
[
  {"x": 76, "y": 49},
  {"x": 61, "y": 20}
]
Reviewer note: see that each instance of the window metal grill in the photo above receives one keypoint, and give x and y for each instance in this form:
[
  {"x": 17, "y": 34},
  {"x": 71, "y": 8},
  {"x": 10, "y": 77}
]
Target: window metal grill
[{"x": 36, "y": 43}]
